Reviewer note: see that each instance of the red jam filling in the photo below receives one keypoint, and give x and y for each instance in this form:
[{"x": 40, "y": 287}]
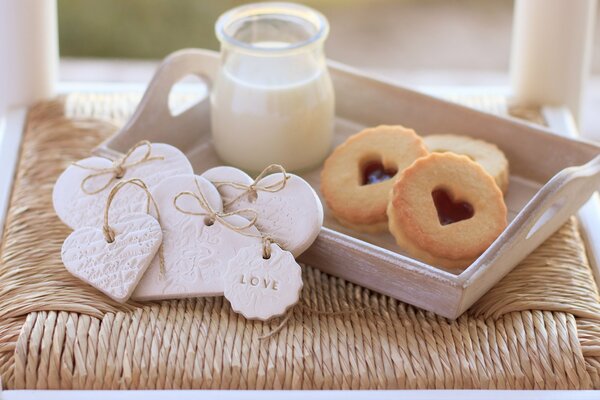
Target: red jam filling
[
  {"x": 375, "y": 172},
  {"x": 448, "y": 210}
]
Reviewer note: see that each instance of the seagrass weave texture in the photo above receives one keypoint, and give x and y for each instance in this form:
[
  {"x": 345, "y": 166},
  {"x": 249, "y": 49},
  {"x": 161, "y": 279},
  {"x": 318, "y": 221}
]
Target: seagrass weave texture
[{"x": 538, "y": 328}]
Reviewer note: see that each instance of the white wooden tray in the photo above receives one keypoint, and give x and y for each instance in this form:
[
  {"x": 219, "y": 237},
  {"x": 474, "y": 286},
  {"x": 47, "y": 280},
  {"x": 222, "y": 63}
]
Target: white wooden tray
[{"x": 551, "y": 178}]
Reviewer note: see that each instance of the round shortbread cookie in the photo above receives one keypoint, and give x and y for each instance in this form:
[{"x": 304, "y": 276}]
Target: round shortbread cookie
[
  {"x": 446, "y": 210},
  {"x": 357, "y": 177},
  {"x": 490, "y": 157}
]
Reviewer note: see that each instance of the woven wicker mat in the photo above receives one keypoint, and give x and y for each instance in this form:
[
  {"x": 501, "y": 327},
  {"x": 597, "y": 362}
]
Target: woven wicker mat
[{"x": 538, "y": 328}]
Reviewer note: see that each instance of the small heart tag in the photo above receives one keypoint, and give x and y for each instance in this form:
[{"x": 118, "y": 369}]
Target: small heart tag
[
  {"x": 77, "y": 209},
  {"x": 113, "y": 268},
  {"x": 450, "y": 211},
  {"x": 292, "y": 216},
  {"x": 196, "y": 250},
  {"x": 260, "y": 288}
]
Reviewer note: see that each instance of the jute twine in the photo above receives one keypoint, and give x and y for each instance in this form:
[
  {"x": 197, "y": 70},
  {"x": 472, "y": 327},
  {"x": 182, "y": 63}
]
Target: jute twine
[
  {"x": 109, "y": 233},
  {"x": 212, "y": 215},
  {"x": 118, "y": 168},
  {"x": 251, "y": 190},
  {"x": 538, "y": 328}
]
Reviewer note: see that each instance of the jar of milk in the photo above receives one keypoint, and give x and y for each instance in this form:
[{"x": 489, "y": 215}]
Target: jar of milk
[{"x": 272, "y": 101}]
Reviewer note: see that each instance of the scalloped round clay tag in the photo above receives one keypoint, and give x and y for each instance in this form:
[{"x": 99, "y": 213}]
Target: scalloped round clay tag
[{"x": 260, "y": 288}]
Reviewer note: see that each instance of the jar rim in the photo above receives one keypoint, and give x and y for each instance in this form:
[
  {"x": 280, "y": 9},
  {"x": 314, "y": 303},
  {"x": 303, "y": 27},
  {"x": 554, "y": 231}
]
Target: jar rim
[{"x": 255, "y": 10}]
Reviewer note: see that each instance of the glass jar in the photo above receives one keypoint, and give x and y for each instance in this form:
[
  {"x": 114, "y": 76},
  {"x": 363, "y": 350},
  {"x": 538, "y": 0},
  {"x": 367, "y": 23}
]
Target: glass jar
[{"x": 272, "y": 101}]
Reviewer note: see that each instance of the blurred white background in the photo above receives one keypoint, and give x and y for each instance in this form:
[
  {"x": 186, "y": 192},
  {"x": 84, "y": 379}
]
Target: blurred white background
[{"x": 416, "y": 43}]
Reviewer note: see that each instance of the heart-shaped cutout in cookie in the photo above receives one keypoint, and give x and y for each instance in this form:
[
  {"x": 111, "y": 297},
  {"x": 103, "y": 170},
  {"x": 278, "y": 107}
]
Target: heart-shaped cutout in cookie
[
  {"x": 79, "y": 201},
  {"x": 375, "y": 172},
  {"x": 114, "y": 268},
  {"x": 292, "y": 216},
  {"x": 196, "y": 249},
  {"x": 449, "y": 210}
]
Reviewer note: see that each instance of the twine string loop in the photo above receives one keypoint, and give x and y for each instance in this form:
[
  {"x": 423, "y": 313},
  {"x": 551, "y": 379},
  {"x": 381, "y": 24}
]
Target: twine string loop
[
  {"x": 211, "y": 213},
  {"x": 251, "y": 190},
  {"x": 118, "y": 168},
  {"x": 267, "y": 247},
  {"x": 109, "y": 233}
]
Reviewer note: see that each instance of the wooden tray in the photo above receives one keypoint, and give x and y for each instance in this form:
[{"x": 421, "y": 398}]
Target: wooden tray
[{"x": 551, "y": 177}]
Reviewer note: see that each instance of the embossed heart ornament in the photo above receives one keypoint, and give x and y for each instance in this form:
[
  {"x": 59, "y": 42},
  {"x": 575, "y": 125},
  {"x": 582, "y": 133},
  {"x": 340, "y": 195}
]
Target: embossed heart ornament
[
  {"x": 114, "y": 268},
  {"x": 196, "y": 248},
  {"x": 81, "y": 191},
  {"x": 293, "y": 215}
]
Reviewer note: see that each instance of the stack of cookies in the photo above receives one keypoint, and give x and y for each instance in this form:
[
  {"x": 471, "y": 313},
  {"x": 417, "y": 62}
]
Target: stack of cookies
[{"x": 441, "y": 196}]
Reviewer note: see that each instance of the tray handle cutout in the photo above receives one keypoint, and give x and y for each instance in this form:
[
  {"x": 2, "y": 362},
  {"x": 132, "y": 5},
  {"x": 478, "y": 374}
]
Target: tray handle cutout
[
  {"x": 560, "y": 198},
  {"x": 555, "y": 209},
  {"x": 547, "y": 211},
  {"x": 153, "y": 119}
]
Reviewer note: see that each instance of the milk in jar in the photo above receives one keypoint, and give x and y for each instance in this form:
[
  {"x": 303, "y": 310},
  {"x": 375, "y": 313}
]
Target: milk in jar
[{"x": 273, "y": 100}]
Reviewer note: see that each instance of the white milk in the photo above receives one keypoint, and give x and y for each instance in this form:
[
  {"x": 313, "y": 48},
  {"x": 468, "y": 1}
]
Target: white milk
[{"x": 272, "y": 109}]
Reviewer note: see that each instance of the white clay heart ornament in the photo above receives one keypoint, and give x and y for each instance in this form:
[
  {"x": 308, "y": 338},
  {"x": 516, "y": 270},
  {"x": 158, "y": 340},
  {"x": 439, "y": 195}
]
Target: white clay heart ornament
[
  {"x": 290, "y": 213},
  {"x": 114, "y": 268},
  {"x": 79, "y": 206},
  {"x": 262, "y": 288},
  {"x": 196, "y": 249}
]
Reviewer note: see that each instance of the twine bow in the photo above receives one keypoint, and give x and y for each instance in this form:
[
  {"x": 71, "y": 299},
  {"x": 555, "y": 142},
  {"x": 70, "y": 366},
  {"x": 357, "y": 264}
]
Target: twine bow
[
  {"x": 109, "y": 233},
  {"x": 118, "y": 168},
  {"x": 213, "y": 216},
  {"x": 252, "y": 189}
]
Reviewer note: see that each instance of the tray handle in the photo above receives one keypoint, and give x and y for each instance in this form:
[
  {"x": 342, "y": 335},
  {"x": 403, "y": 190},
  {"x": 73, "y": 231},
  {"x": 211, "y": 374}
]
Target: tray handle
[
  {"x": 545, "y": 213},
  {"x": 560, "y": 198},
  {"x": 152, "y": 117}
]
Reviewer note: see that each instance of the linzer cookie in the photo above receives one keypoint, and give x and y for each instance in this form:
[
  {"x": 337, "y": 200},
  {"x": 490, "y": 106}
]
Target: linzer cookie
[
  {"x": 446, "y": 210},
  {"x": 359, "y": 174},
  {"x": 490, "y": 157}
]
